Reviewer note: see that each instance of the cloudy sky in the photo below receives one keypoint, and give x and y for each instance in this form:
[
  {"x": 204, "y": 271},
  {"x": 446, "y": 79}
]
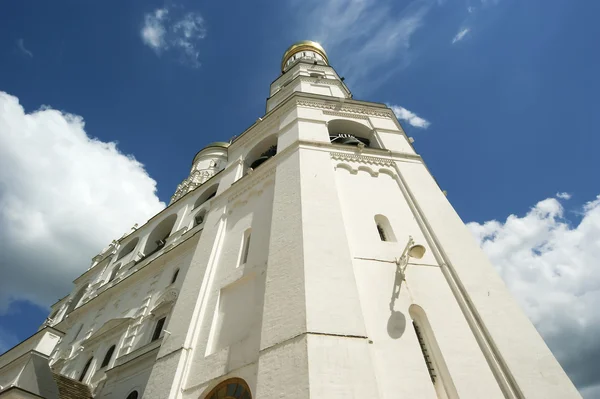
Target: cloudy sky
[{"x": 104, "y": 104}]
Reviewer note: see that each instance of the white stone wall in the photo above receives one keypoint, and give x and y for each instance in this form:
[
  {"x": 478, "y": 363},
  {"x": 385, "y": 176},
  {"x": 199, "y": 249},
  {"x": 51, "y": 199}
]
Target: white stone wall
[{"x": 319, "y": 308}]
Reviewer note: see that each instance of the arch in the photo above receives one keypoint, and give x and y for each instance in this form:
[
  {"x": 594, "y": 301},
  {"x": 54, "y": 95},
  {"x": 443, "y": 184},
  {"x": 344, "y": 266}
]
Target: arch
[
  {"x": 368, "y": 170},
  {"x": 114, "y": 272},
  {"x": 158, "y": 237},
  {"x": 261, "y": 152},
  {"x": 133, "y": 395},
  {"x": 206, "y": 195},
  {"x": 108, "y": 356},
  {"x": 128, "y": 248},
  {"x": 76, "y": 299},
  {"x": 174, "y": 278},
  {"x": 232, "y": 388},
  {"x": 343, "y": 131},
  {"x": 434, "y": 361},
  {"x": 85, "y": 369},
  {"x": 384, "y": 228}
]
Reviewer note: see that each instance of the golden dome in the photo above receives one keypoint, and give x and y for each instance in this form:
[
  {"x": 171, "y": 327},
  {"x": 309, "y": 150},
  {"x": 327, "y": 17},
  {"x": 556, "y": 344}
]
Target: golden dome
[{"x": 301, "y": 46}]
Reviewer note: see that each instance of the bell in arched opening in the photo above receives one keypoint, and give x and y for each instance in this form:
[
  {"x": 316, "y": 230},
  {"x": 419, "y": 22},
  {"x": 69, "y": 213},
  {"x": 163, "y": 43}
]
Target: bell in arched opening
[
  {"x": 347, "y": 139},
  {"x": 264, "y": 156}
]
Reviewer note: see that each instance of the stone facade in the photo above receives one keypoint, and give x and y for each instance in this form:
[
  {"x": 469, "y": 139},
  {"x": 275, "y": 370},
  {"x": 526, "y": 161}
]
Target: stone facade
[{"x": 288, "y": 276}]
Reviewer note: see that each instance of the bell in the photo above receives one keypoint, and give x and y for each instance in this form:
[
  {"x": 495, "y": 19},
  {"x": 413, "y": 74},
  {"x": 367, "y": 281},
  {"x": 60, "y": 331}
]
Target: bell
[
  {"x": 259, "y": 161},
  {"x": 348, "y": 141}
]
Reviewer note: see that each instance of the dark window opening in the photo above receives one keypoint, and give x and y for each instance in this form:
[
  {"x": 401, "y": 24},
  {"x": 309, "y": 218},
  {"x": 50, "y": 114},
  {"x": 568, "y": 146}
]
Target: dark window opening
[
  {"x": 108, "y": 356},
  {"x": 426, "y": 356},
  {"x": 158, "y": 329},
  {"x": 85, "y": 369},
  {"x": 133, "y": 395},
  {"x": 264, "y": 157},
  {"x": 175, "y": 276},
  {"x": 245, "y": 247},
  {"x": 381, "y": 233},
  {"x": 199, "y": 219}
]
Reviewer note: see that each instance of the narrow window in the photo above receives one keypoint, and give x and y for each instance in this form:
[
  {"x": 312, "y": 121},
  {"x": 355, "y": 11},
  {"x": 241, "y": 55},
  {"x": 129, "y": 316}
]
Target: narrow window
[
  {"x": 114, "y": 272},
  {"x": 425, "y": 352},
  {"x": 245, "y": 247},
  {"x": 384, "y": 228},
  {"x": 158, "y": 329},
  {"x": 434, "y": 361},
  {"x": 108, "y": 356},
  {"x": 133, "y": 395},
  {"x": 175, "y": 276},
  {"x": 381, "y": 232},
  {"x": 85, "y": 369}
]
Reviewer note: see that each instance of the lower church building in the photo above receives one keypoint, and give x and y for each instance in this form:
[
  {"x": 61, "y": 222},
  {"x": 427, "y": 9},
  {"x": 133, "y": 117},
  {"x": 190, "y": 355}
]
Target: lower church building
[{"x": 313, "y": 256}]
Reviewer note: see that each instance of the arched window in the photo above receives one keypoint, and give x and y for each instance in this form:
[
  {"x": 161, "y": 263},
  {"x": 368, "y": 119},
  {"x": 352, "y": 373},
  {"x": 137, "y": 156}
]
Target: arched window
[
  {"x": 384, "y": 228},
  {"x": 175, "y": 276},
  {"x": 133, "y": 395},
  {"x": 342, "y": 131},
  {"x": 108, "y": 356},
  {"x": 234, "y": 388},
  {"x": 114, "y": 272},
  {"x": 206, "y": 195},
  {"x": 128, "y": 248},
  {"x": 434, "y": 361},
  {"x": 158, "y": 238},
  {"x": 262, "y": 152},
  {"x": 85, "y": 369},
  {"x": 245, "y": 247},
  {"x": 75, "y": 301}
]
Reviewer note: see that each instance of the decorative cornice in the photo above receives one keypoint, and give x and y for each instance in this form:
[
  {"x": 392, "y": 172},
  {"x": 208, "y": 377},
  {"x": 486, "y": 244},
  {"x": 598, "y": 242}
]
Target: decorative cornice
[
  {"x": 364, "y": 159},
  {"x": 345, "y": 115},
  {"x": 195, "y": 179},
  {"x": 343, "y": 108}
]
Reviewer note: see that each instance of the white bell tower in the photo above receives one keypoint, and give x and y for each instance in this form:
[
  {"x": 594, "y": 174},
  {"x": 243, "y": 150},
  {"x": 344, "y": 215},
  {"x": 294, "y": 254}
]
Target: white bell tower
[{"x": 331, "y": 265}]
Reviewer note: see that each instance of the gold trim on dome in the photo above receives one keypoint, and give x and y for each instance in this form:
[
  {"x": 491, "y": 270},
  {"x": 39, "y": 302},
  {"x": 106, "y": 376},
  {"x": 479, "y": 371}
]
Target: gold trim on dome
[{"x": 301, "y": 46}]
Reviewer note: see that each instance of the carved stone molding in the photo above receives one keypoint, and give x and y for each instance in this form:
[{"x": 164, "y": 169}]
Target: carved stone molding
[
  {"x": 345, "y": 108},
  {"x": 363, "y": 159},
  {"x": 345, "y": 115},
  {"x": 195, "y": 179}
]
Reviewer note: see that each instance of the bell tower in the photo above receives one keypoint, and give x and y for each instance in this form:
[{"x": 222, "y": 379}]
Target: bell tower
[{"x": 331, "y": 265}]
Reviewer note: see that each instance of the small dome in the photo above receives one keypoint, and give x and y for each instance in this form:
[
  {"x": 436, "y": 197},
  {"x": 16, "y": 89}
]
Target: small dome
[{"x": 304, "y": 45}]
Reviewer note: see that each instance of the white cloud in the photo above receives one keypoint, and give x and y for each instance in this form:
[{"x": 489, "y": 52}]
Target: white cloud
[
  {"x": 153, "y": 31},
  {"x": 551, "y": 265},
  {"x": 164, "y": 30},
  {"x": 564, "y": 196},
  {"x": 21, "y": 45},
  {"x": 460, "y": 35},
  {"x": 366, "y": 36},
  {"x": 63, "y": 196},
  {"x": 409, "y": 116}
]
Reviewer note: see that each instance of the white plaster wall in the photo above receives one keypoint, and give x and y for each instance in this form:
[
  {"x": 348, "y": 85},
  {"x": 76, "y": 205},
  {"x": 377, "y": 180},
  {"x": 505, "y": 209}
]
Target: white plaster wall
[{"x": 529, "y": 360}]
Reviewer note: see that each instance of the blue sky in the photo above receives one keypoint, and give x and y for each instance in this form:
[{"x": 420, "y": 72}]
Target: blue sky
[{"x": 508, "y": 90}]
